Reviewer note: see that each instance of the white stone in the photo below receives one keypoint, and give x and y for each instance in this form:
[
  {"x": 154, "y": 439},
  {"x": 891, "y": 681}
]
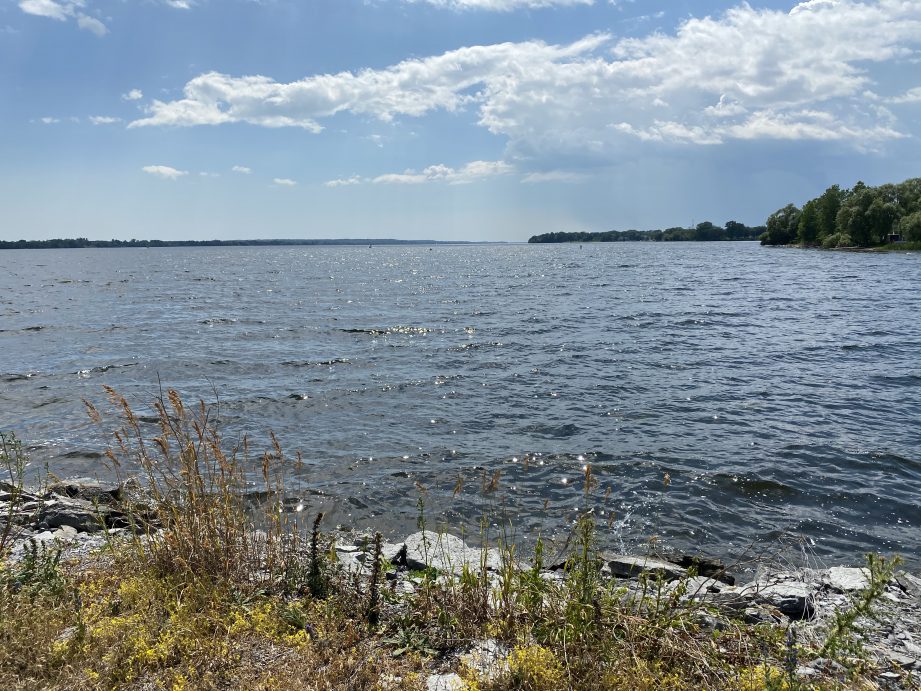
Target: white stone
[
  {"x": 445, "y": 553},
  {"x": 444, "y": 682},
  {"x": 846, "y": 580}
]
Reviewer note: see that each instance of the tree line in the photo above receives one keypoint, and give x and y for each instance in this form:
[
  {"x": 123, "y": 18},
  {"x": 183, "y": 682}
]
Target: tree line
[
  {"x": 78, "y": 243},
  {"x": 703, "y": 232},
  {"x": 862, "y": 216}
]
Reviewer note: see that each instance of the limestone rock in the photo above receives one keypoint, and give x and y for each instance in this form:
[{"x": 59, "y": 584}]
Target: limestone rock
[
  {"x": 89, "y": 489},
  {"x": 80, "y": 515},
  {"x": 795, "y": 599},
  {"x": 445, "y": 553},
  {"x": 631, "y": 567},
  {"x": 846, "y": 580},
  {"x": 706, "y": 566},
  {"x": 444, "y": 682},
  {"x": 910, "y": 584},
  {"x": 488, "y": 658}
]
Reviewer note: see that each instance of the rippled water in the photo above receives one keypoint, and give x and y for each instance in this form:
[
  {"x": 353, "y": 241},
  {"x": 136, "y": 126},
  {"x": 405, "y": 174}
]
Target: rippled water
[{"x": 780, "y": 390}]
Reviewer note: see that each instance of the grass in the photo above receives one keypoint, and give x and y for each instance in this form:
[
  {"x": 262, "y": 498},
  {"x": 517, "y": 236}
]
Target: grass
[{"x": 207, "y": 593}]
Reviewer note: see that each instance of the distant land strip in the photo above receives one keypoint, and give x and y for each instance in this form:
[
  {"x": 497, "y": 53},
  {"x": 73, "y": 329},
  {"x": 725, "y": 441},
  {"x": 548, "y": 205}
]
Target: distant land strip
[
  {"x": 80, "y": 243},
  {"x": 703, "y": 232}
]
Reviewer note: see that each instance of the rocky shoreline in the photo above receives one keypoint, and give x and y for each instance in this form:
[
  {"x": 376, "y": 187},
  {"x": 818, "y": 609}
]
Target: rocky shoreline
[{"x": 82, "y": 516}]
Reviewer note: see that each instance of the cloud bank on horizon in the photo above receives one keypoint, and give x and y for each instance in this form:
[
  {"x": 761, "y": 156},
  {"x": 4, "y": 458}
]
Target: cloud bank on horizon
[{"x": 578, "y": 96}]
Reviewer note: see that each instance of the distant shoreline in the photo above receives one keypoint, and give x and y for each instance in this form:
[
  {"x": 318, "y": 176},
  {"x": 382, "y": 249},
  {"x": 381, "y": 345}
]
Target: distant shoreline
[{"x": 84, "y": 243}]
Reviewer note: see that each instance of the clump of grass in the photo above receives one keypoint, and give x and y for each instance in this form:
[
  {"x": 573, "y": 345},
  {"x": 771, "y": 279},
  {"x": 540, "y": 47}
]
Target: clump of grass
[{"x": 12, "y": 490}]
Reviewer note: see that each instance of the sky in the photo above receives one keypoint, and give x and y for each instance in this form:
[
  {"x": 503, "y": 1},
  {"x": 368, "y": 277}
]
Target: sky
[{"x": 480, "y": 120}]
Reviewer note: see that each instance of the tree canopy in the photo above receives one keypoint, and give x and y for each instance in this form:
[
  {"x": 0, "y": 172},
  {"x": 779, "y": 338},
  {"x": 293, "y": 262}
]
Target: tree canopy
[
  {"x": 706, "y": 231},
  {"x": 862, "y": 216}
]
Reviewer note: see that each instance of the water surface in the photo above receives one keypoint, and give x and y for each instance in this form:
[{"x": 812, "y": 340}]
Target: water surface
[{"x": 780, "y": 390}]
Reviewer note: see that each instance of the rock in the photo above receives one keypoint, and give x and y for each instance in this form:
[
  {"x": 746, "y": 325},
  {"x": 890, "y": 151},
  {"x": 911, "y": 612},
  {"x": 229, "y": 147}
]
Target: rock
[
  {"x": 903, "y": 661},
  {"x": 631, "y": 567},
  {"x": 794, "y": 598},
  {"x": 89, "y": 489},
  {"x": 706, "y": 566},
  {"x": 760, "y": 614},
  {"x": 910, "y": 585},
  {"x": 845, "y": 580},
  {"x": 488, "y": 658},
  {"x": 709, "y": 622},
  {"x": 698, "y": 587},
  {"x": 444, "y": 682},
  {"x": 76, "y": 513},
  {"x": 445, "y": 553}
]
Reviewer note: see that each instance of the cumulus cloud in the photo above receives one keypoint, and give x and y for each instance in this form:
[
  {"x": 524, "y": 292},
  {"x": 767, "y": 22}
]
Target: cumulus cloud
[
  {"x": 746, "y": 74},
  {"x": 284, "y": 182},
  {"x": 500, "y": 5},
  {"x": 133, "y": 95},
  {"x": 165, "y": 172},
  {"x": 243, "y": 170},
  {"x": 63, "y": 10},
  {"x": 50, "y": 8},
  {"x": 345, "y": 182},
  {"x": 48, "y": 120},
  {"x": 104, "y": 120},
  {"x": 910, "y": 96},
  {"x": 92, "y": 24}
]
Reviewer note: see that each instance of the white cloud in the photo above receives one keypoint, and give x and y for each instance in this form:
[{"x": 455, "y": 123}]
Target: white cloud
[
  {"x": 165, "y": 172},
  {"x": 910, "y": 96},
  {"x": 746, "y": 74},
  {"x": 48, "y": 120},
  {"x": 205, "y": 174},
  {"x": 50, "y": 8},
  {"x": 284, "y": 182},
  {"x": 345, "y": 182},
  {"x": 471, "y": 172},
  {"x": 92, "y": 24},
  {"x": 62, "y": 10},
  {"x": 553, "y": 176},
  {"x": 179, "y": 4},
  {"x": 103, "y": 120},
  {"x": 500, "y": 5},
  {"x": 242, "y": 170},
  {"x": 133, "y": 95}
]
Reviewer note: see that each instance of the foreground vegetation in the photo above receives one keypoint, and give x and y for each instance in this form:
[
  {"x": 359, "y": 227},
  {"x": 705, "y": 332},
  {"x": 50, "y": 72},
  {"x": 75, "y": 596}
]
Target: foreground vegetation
[
  {"x": 862, "y": 216},
  {"x": 203, "y": 592}
]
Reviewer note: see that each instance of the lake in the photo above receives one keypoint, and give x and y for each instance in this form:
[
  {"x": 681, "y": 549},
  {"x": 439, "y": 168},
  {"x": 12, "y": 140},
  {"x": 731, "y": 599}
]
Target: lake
[{"x": 778, "y": 390}]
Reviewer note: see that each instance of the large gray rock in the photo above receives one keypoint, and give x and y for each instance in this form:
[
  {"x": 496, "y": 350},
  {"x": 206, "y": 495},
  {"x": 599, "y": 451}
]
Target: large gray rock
[
  {"x": 631, "y": 567},
  {"x": 705, "y": 566},
  {"x": 80, "y": 515},
  {"x": 910, "y": 585},
  {"x": 91, "y": 490},
  {"x": 446, "y": 553},
  {"x": 795, "y": 599},
  {"x": 846, "y": 580}
]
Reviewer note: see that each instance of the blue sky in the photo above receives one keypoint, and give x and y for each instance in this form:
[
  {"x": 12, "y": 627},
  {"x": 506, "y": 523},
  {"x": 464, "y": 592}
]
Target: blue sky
[{"x": 443, "y": 119}]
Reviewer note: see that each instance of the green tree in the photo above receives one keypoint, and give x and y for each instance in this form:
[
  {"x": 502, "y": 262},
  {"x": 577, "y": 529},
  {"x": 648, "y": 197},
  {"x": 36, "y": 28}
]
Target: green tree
[
  {"x": 828, "y": 206},
  {"x": 808, "y": 227},
  {"x": 782, "y": 226},
  {"x": 910, "y": 226}
]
